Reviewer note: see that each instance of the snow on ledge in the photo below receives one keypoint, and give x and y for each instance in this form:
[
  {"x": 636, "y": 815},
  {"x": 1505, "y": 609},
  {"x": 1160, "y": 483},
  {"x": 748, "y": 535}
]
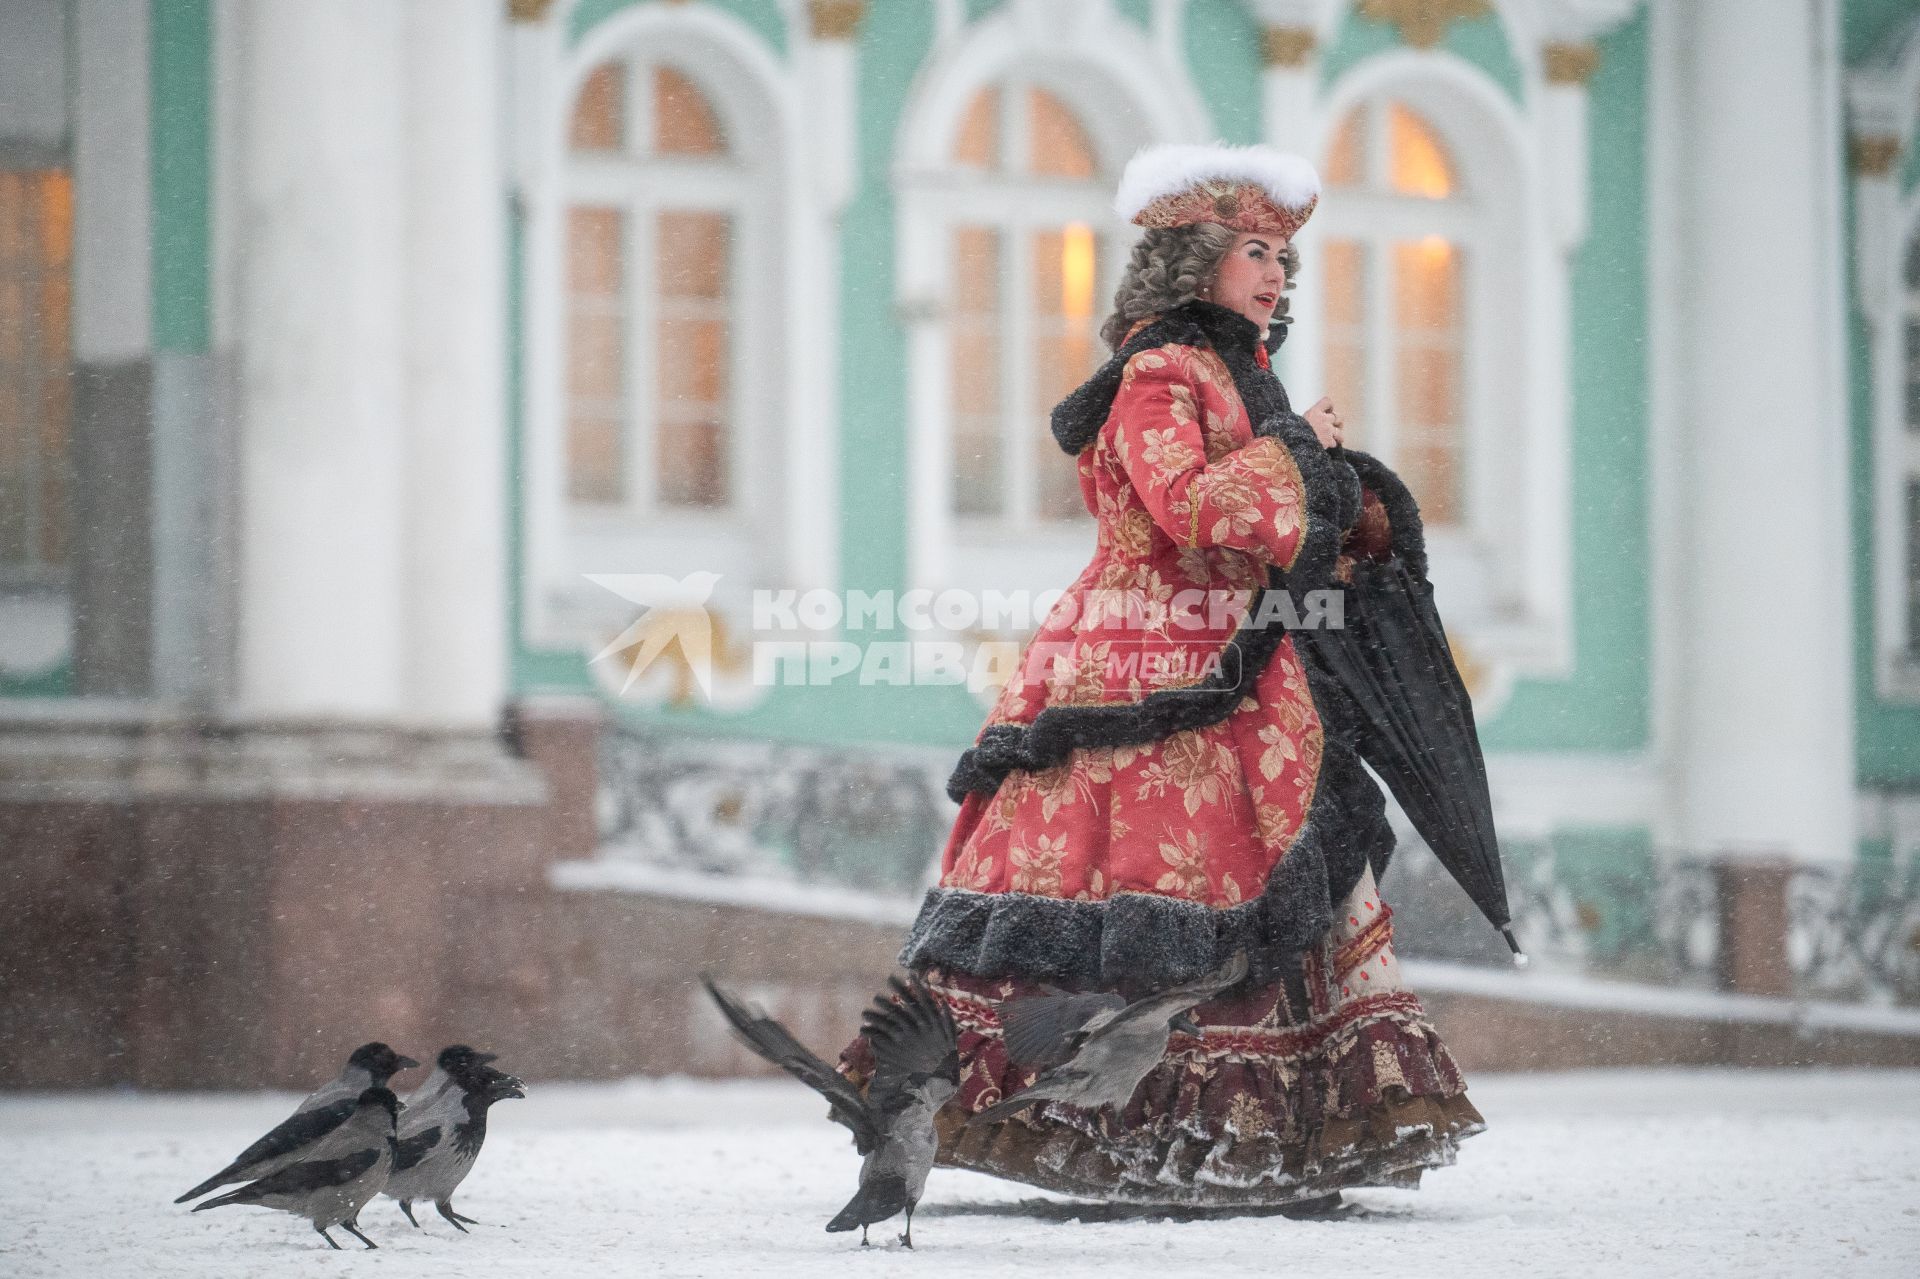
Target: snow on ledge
[
  {"x": 777, "y": 896},
  {"x": 1568, "y": 990}
]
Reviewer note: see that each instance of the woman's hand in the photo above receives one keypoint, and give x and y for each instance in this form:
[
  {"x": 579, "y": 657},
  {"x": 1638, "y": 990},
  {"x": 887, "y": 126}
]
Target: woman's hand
[{"x": 1326, "y": 423}]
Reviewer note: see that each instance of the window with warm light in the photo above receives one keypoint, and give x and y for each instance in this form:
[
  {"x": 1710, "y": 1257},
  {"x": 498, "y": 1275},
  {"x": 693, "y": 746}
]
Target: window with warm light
[
  {"x": 1022, "y": 326},
  {"x": 1395, "y": 305},
  {"x": 650, "y": 343},
  {"x": 36, "y": 248}
]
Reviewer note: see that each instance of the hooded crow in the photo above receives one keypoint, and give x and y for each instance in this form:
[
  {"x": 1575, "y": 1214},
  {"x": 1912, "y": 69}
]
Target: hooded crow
[
  {"x": 1095, "y": 1049},
  {"x": 334, "y": 1177},
  {"x": 325, "y": 1109},
  {"x": 916, "y": 1057},
  {"x": 439, "y": 1137},
  {"x": 451, "y": 1058}
]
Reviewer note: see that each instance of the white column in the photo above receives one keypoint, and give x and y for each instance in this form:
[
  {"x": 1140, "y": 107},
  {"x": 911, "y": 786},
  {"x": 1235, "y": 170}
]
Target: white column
[
  {"x": 818, "y": 188},
  {"x": 538, "y": 99},
  {"x": 455, "y": 659},
  {"x": 1564, "y": 156},
  {"x": 1767, "y": 720},
  {"x": 322, "y": 321},
  {"x": 1290, "y": 120}
]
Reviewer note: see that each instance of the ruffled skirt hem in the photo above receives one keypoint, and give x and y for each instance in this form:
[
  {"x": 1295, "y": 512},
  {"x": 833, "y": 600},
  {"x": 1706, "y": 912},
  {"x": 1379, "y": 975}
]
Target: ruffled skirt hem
[{"x": 1260, "y": 1111}]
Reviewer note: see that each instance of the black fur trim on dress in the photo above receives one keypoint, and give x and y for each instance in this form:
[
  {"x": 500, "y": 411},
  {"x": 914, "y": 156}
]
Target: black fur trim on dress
[
  {"x": 1333, "y": 506},
  {"x": 1137, "y": 942},
  {"x": 1403, "y": 513}
]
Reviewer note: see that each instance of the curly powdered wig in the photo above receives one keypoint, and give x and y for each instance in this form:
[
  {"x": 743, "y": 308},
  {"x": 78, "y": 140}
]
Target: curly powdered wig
[{"x": 1168, "y": 267}]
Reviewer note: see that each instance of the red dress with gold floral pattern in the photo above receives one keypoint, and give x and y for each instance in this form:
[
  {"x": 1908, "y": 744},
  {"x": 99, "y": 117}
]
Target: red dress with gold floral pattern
[
  {"x": 1323, "y": 1071},
  {"x": 1202, "y": 814}
]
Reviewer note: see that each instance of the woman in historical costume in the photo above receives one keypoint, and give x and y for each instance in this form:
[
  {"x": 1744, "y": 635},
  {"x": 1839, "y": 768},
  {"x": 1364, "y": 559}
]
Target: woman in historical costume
[{"x": 1165, "y": 782}]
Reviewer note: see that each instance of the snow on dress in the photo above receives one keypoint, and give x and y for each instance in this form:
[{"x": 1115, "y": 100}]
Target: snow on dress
[{"x": 1139, "y": 849}]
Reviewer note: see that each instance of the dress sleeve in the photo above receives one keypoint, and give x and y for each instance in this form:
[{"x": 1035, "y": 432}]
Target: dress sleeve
[{"x": 1261, "y": 498}]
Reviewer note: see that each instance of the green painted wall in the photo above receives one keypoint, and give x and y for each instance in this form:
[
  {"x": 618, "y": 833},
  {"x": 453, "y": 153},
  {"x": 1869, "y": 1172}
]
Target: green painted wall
[
  {"x": 1481, "y": 41},
  {"x": 1223, "y": 58},
  {"x": 1887, "y": 735},
  {"x": 56, "y": 681},
  {"x": 1866, "y": 25},
  {"x": 1605, "y": 704},
  {"x": 181, "y": 66},
  {"x": 763, "y": 16}
]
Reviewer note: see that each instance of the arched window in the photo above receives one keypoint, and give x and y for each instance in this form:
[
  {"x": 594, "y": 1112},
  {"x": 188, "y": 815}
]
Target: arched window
[
  {"x": 655, "y": 197},
  {"x": 1394, "y": 264},
  {"x": 1025, "y": 269}
]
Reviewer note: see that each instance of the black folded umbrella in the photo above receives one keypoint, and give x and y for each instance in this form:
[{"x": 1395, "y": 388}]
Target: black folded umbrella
[{"x": 1415, "y": 718}]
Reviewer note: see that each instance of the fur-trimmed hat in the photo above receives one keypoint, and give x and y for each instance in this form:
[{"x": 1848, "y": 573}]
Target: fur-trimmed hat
[{"x": 1254, "y": 188}]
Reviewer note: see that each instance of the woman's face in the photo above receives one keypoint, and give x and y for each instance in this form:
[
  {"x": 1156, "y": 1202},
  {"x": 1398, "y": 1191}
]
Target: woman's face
[{"x": 1251, "y": 276}]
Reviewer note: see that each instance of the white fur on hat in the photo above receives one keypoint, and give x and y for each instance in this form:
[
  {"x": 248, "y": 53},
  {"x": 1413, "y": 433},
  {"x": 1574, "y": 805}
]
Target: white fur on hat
[{"x": 1159, "y": 171}]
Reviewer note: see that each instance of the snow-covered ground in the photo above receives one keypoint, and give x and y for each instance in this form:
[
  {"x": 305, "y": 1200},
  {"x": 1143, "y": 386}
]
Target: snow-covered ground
[{"x": 1615, "y": 1174}]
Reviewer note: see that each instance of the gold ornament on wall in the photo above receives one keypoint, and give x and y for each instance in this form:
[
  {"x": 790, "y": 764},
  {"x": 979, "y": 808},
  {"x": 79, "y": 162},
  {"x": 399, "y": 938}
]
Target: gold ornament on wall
[
  {"x": 529, "y": 10},
  {"x": 1287, "y": 46},
  {"x": 1571, "y": 63},
  {"x": 1873, "y": 154},
  {"x": 1423, "y": 23},
  {"x": 835, "y": 19}
]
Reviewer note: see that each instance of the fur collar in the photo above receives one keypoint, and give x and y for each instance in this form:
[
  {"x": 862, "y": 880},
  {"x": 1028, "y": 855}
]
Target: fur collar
[{"x": 1078, "y": 418}]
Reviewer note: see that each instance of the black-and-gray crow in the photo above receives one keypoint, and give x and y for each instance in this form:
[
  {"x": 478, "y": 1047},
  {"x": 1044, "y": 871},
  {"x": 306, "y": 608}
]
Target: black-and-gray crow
[
  {"x": 441, "y": 1131},
  {"x": 324, "y": 1110},
  {"x": 916, "y": 1057},
  {"x": 333, "y": 1178},
  {"x": 1094, "y": 1049},
  {"x": 450, "y": 1058}
]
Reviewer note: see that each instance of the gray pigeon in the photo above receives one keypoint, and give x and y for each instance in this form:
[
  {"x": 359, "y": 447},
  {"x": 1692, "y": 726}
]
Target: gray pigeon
[
  {"x": 1096, "y": 1048},
  {"x": 324, "y": 1110},
  {"x": 334, "y": 1177},
  {"x": 441, "y": 1131},
  {"x": 916, "y": 1056}
]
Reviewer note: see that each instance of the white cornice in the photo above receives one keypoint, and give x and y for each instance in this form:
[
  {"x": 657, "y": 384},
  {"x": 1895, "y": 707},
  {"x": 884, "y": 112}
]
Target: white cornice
[
  {"x": 1574, "y": 21},
  {"x": 1315, "y": 14}
]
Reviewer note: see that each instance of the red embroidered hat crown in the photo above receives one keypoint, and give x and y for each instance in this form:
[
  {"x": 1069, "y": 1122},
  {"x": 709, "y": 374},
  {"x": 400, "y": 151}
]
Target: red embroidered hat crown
[{"x": 1254, "y": 188}]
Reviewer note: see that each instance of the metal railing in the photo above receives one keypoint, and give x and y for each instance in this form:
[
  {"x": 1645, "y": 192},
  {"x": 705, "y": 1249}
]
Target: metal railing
[
  {"x": 874, "y": 822},
  {"x": 1852, "y": 932}
]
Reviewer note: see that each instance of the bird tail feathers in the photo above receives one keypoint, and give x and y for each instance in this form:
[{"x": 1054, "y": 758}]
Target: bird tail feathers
[
  {"x": 214, "y": 1182},
  {"x": 231, "y": 1197},
  {"x": 876, "y": 1200}
]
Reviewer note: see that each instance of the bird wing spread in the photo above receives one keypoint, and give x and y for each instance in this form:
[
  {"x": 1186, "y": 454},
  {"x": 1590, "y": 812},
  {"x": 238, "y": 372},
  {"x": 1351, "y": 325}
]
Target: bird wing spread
[
  {"x": 913, "y": 1038},
  {"x": 1045, "y": 1030},
  {"x": 775, "y": 1043},
  {"x": 1177, "y": 999}
]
